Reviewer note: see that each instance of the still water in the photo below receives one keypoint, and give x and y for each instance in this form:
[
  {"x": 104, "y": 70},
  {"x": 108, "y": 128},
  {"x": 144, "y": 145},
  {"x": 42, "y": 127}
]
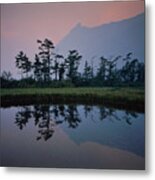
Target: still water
[{"x": 72, "y": 136}]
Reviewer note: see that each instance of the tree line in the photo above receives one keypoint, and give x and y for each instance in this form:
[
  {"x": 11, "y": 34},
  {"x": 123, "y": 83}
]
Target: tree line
[{"x": 50, "y": 69}]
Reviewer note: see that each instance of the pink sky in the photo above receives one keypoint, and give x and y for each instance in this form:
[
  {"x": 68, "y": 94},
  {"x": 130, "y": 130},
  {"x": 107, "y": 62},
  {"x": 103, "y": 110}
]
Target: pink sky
[
  {"x": 23, "y": 24},
  {"x": 56, "y": 19}
]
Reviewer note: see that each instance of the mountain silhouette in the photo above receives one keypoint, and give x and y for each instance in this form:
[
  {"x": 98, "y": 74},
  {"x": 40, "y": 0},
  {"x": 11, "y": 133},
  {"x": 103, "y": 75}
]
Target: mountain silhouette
[{"x": 109, "y": 40}]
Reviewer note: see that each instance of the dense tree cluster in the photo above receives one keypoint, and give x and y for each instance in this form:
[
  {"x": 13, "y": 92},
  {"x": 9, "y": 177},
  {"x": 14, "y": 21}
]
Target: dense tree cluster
[{"x": 50, "y": 69}]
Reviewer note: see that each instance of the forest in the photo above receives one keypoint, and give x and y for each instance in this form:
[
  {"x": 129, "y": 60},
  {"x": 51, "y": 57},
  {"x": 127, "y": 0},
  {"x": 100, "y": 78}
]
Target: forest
[{"x": 50, "y": 69}]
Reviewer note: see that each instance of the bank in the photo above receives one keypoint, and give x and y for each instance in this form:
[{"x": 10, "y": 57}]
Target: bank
[{"x": 124, "y": 97}]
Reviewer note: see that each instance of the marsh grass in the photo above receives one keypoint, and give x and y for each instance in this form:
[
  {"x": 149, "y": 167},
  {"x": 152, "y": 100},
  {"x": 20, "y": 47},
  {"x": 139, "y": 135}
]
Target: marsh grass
[{"x": 123, "y": 97}]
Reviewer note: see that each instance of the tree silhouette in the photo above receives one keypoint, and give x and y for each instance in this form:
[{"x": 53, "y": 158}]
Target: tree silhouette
[
  {"x": 46, "y": 55},
  {"x": 102, "y": 71},
  {"x": 61, "y": 71},
  {"x": 130, "y": 70},
  {"x": 72, "y": 64},
  {"x": 23, "y": 63},
  {"x": 140, "y": 73},
  {"x": 37, "y": 66},
  {"x": 87, "y": 74},
  {"x": 7, "y": 75},
  {"x": 49, "y": 66},
  {"x": 56, "y": 65},
  {"x": 112, "y": 71}
]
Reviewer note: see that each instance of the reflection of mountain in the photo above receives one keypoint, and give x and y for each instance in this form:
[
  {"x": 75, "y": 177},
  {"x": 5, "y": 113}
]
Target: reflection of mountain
[
  {"x": 106, "y": 126},
  {"x": 20, "y": 149},
  {"x": 110, "y": 131},
  {"x": 108, "y": 39}
]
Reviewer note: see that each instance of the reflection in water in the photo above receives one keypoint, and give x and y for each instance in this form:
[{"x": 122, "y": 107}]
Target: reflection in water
[
  {"x": 23, "y": 116},
  {"x": 73, "y": 136},
  {"x": 46, "y": 117}
]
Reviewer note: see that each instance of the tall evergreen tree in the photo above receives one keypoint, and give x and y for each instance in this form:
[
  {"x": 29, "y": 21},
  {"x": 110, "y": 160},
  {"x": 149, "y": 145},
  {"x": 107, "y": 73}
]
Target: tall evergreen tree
[
  {"x": 37, "y": 66},
  {"x": 141, "y": 72},
  {"x": 23, "y": 63},
  {"x": 46, "y": 55},
  {"x": 72, "y": 64},
  {"x": 61, "y": 71},
  {"x": 102, "y": 71},
  {"x": 112, "y": 71},
  {"x": 129, "y": 70},
  {"x": 56, "y": 65},
  {"x": 88, "y": 74}
]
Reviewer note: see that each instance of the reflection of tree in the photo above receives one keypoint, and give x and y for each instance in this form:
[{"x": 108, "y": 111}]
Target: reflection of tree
[
  {"x": 46, "y": 117},
  {"x": 46, "y": 123},
  {"x": 55, "y": 111},
  {"x": 72, "y": 116},
  {"x": 22, "y": 117},
  {"x": 129, "y": 116},
  {"x": 110, "y": 114},
  {"x": 37, "y": 114},
  {"x": 45, "y": 129},
  {"x": 113, "y": 115},
  {"x": 87, "y": 110},
  {"x": 62, "y": 110}
]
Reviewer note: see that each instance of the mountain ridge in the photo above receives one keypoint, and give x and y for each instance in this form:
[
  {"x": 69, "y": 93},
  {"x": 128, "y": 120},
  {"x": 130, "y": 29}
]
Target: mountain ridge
[
  {"x": 108, "y": 23},
  {"x": 109, "y": 40}
]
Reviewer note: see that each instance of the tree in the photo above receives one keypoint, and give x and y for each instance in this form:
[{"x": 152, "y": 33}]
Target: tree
[
  {"x": 37, "y": 66},
  {"x": 56, "y": 65},
  {"x": 133, "y": 70},
  {"x": 46, "y": 55},
  {"x": 102, "y": 71},
  {"x": 6, "y": 75},
  {"x": 130, "y": 69},
  {"x": 6, "y": 79},
  {"x": 88, "y": 74},
  {"x": 61, "y": 71},
  {"x": 72, "y": 64},
  {"x": 141, "y": 72},
  {"x": 112, "y": 76},
  {"x": 23, "y": 63}
]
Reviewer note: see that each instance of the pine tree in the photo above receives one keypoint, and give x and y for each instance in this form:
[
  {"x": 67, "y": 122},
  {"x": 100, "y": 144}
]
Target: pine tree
[
  {"x": 56, "y": 65},
  {"x": 102, "y": 71},
  {"x": 46, "y": 55},
  {"x": 61, "y": 71},
  {"x": 72, "y": 64},
  {"x": 37, "y": 66},
  {"x": 88, "y": 74},
  {"x": 23, "y": 63}
]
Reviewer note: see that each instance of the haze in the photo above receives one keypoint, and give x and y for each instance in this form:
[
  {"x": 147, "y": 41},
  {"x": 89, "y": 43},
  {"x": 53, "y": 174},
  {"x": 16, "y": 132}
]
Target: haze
[{"x": 23, "y": 24}]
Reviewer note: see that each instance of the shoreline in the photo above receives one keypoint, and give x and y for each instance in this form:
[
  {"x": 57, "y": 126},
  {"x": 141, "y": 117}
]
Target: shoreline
[{"x": 121, "y": 98}]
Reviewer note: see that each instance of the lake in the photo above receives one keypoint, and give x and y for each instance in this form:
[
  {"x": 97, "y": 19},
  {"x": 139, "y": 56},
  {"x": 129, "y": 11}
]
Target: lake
[{"x": 72, "y": 136}]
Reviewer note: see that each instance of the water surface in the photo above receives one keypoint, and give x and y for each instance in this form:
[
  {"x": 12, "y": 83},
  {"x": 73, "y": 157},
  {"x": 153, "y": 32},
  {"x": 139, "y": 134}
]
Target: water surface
[{"x": 72, "y": 136}]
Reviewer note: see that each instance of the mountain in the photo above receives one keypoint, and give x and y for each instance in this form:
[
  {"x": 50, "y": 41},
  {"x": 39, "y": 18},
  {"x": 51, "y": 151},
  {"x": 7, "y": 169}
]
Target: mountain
[{"x": 110, "y": 40}]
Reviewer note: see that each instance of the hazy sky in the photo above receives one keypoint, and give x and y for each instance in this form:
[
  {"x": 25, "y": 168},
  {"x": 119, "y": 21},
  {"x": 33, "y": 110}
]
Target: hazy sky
[{"x": 23, "y": 24}]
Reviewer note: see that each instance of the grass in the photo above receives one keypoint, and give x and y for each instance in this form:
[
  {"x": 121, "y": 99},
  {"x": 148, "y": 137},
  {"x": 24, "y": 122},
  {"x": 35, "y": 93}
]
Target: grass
[{"x": 114, "y": 96}]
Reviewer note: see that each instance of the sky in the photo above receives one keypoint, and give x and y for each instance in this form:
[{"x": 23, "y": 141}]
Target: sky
[{"x": 23, "y": 24}]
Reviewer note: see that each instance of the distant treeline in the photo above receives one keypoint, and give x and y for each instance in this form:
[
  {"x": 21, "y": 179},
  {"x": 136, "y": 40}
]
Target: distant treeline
[{"x": 50, "y": 69}]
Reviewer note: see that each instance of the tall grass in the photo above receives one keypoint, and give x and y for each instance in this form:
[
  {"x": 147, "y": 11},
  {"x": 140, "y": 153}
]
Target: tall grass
[{"x": 126, "y": 97}]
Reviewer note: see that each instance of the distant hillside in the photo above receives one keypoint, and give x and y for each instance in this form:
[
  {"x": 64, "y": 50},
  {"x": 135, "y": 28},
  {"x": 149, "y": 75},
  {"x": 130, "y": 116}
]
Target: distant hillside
[{"x": 116, "y": 38}]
